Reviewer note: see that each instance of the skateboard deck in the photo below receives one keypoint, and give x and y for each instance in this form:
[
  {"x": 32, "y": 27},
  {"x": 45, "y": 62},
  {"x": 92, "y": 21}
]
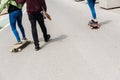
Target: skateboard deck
[
  {"x": 46, "y": 15},
  {"x": 18, "y": 48},
  {"x": 95, "y": 26}
]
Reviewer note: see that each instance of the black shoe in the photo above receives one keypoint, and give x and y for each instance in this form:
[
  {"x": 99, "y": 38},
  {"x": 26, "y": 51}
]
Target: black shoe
[
  {"x": 24, "y": 39},
  {"x": 92, "y": 22},
  {"x": 37, "y": 48},
  {"x": 47, "y": 38}
]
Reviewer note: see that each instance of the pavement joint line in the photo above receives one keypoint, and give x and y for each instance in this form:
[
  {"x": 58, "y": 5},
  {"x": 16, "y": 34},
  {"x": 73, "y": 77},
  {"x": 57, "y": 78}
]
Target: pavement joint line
[{"x": 4, "y": 27}]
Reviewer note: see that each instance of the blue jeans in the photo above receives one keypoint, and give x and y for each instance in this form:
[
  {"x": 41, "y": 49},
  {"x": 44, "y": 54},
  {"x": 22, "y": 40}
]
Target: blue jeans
[
  {"x": 16, "y": 16},
  {"x": 91, "y": 4}
]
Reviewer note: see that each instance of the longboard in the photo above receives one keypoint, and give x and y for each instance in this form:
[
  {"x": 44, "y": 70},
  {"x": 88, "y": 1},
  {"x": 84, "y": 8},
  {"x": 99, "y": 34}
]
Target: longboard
[
  {"x": 95, "y": 26},
  {"x": 18, "y": 48},
  {"x": 46, "y": 15}
]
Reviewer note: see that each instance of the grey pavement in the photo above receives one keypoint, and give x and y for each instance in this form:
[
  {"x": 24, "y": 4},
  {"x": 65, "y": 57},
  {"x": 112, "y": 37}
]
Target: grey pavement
[{"x": 75, "y": 52}]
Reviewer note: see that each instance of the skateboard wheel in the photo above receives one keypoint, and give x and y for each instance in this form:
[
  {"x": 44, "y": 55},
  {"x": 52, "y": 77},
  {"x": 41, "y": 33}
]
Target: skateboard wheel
[
  {"x": 19, "y": 50},
  {"x": 11, "y": 50}
]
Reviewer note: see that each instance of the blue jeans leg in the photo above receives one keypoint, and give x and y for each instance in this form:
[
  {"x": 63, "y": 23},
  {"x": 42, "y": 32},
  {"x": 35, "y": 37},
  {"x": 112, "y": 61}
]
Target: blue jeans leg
[
  {"x": 12, "y": 19},
  {"x": 91, "y": 4},
  {"x": 19, "y": 21}
]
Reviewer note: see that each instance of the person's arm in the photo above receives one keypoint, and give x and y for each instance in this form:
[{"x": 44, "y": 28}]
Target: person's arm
[
  {"x": 3, "y": 6},
  {"x": 45, "y": 10},
  {"x": 20, "y": 1},
  {"x": 44, "y": 5}
]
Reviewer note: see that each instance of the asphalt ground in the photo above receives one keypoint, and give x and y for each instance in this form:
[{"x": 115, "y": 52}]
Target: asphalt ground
[{"x": 75, "y": 52}]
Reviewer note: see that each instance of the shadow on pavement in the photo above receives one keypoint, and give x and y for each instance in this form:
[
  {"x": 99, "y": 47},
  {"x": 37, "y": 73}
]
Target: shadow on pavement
[
  {"x": 105, "y": 22},
  {"x": 59, "y": 38}
]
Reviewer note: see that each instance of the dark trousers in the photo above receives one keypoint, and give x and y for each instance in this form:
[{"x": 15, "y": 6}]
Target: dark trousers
[{"x": 33, "y": 18}]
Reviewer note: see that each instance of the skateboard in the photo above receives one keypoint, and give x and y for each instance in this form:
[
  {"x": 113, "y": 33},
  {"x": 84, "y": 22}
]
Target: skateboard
[
  {"x": 19, "y": 47},
  {"x": 94, "y": 26},
  {"x": 46, "y": 15}
]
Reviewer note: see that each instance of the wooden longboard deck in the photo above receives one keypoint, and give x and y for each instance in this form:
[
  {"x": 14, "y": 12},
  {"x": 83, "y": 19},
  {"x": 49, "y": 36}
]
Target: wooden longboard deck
[
  {"x": 46, "y": 15},
  {"x": 18, "y": 48}
]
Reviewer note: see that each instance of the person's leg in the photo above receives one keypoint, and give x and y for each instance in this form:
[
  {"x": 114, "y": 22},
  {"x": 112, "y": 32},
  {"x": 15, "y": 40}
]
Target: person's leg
[
  {"x": 91, "y": 4},
  {"x": 43, "y": 27},
  {"x": 32, "y": 20},
  {"x": 19, "y": 21},
  {"x": 93, "y": 22},
  {"x": 12, "y": 19}
]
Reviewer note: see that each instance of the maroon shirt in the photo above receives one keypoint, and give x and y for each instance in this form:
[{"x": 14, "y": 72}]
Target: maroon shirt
[{"x": 34, "y": 6}]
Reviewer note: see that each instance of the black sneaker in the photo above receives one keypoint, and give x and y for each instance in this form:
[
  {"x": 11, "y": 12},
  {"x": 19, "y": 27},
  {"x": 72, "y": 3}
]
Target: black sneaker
[
  {"x": 37, "y": 48},
  {"x": 93, "y": 22},
  {"x": 47, "y": 38},
  {"x": 24, "y": 39}
]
